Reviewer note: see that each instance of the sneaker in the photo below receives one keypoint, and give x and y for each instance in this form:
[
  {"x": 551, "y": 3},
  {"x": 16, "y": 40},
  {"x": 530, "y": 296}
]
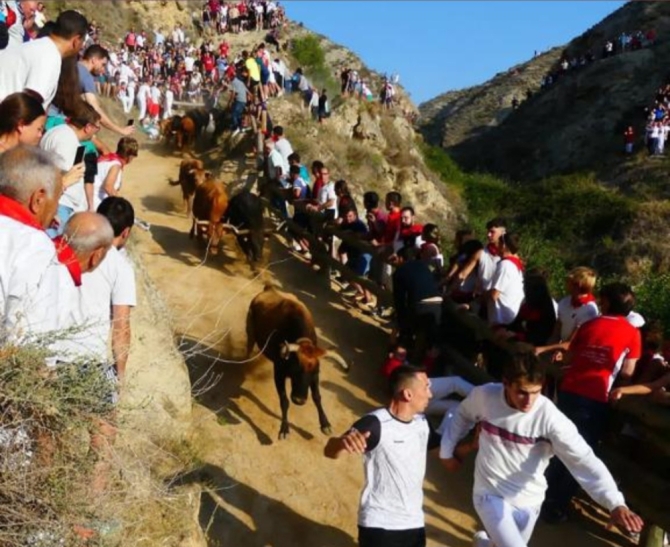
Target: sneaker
[
  {"x": 349, "y": 291},
  {"x": 296, "y": 246},
  {"x": 481, "y": 539},
  {"x": 235, "y": 133}
]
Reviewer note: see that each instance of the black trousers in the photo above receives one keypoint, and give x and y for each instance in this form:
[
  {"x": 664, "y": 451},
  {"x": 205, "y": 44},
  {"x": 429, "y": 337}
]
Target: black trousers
[{"x": 378, "y": 537}]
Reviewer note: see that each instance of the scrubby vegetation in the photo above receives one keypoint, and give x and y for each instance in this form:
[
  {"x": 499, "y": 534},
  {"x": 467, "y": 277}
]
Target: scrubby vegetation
[
  {"x": 564, "y": 221},
  {"x": 310, "y": 55}
]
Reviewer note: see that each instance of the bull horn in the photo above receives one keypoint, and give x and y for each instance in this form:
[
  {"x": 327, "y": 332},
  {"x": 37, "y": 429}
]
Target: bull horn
[
  {"x": 231, "y": 227},
  {"x": 287, "y": 348},
  {"x": 338, "y": 359}
]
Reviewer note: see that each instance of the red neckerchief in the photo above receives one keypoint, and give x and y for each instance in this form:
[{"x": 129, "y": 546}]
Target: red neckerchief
[
  {"x": 516, "y": 261},
  {"x": 492, "y": 248},
  {"x": 14, "y": 210},
  {"x": 68, "y": 259},
  {"x": 110, "y": 157},
  {"x": 581, "y": 300}
]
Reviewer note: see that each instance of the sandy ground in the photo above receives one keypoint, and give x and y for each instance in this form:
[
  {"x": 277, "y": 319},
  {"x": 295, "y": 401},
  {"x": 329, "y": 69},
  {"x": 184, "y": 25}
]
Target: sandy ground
[{"x": 263, "y": 491}]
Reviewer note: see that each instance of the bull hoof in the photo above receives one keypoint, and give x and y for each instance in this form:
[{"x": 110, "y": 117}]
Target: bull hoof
[
  {"x": 326, "y": 430},
  {"x": 283, "y": 432}
]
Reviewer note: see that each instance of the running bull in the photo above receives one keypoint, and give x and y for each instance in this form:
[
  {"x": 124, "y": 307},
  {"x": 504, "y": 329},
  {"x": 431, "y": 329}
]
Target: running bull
[{"x": 283, "y": 328}]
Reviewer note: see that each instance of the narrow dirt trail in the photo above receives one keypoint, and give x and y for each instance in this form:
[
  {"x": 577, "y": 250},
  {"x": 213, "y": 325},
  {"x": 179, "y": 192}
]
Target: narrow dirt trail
[{"x": 263, "y": 491}]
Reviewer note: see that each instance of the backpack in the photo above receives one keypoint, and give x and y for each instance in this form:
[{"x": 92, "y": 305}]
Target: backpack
[{"x": 7, "y": 19}]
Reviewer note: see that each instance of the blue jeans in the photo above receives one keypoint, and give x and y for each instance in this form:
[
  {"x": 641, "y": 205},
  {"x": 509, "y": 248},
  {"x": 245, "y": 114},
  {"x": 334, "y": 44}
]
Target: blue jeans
[
  {"x": 238, "y": 110},
  {"x": 590, "y": 417},
  {"x": 63, "y": 215}
]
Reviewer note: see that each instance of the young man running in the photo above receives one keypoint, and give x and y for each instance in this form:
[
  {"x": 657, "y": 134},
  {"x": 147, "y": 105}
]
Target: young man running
[
  {"x": 394, "y": 441},
  {"x": 520, "y": 431}
]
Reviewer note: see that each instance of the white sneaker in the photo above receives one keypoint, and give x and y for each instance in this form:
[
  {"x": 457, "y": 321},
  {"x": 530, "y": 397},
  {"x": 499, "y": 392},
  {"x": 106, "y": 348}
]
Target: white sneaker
[
  {"x": 481, "y": 539},
  {"x": 236, "y": 132}
]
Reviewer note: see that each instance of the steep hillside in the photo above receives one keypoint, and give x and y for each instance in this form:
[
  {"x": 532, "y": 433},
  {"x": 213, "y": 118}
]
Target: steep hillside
[
  {"x": 575, "y": 124},
  {"x": 458, "y": 116}
]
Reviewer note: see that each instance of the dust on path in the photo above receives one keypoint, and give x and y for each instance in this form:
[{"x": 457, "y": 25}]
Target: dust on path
[{"x": 263, "y": 491}]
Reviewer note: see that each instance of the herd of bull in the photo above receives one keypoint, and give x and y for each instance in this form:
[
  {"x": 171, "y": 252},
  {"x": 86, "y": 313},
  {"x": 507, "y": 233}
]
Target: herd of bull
[
  {"x": 183, "y": 131},
  {"x": 278, "y": 323}
]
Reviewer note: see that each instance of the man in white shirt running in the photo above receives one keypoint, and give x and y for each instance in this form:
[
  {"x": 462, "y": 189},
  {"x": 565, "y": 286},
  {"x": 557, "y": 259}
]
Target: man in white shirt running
[
  {"x": 520, "y": 431},
  {"x": 394, "y": 442}
]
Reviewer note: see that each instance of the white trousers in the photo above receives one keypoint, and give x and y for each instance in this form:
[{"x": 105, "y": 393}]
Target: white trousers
[
  {"x": 127, "y": 103},
  {"x": 439, "y": 404},
  {"x": 142, "y": 106},
  {"x": 505, "y": 525}
]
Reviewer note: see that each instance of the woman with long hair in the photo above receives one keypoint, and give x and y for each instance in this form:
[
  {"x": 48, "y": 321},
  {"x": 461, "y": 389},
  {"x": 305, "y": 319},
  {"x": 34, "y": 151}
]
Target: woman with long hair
[{"x": 22, "y": 120}]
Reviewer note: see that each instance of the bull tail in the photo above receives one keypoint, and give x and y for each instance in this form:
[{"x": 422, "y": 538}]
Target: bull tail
[{"x": 173, "y": 182}]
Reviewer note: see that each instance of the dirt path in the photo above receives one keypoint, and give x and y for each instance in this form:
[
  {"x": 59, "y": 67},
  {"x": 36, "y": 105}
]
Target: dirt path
[{"x": 262, "y": 491}]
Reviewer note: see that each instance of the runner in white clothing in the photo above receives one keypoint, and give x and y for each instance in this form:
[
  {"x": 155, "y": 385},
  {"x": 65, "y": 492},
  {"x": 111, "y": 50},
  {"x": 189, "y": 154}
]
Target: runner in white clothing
[
  {"x": 394, "y": 441},
  {"x": 520, "y": 431}
]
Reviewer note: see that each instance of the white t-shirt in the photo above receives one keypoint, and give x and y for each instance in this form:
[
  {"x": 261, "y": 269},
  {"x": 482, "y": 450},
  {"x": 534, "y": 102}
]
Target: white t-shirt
[
  {"x": 486, "y": 269},
  {"x": 112, "y": 283},
  {"x": 30, "y": 285},
  {"x": 34, "y": 65},
  {"x": 515, "y": 448},
  {"x": 63, "y": 142},
  {"x": 395, "y": 467},
  {"x": 508, "y": 279},
  {"x": 571, "y": 317},
  {"x": 327, "y": 193},
  {"x": 189, "y": 63},
  {"x": 275, "y": 160},
  {"x": 284, "y": 148},
  {"x": 126, "y": 74},
  {"x": 99, "y": 192}
]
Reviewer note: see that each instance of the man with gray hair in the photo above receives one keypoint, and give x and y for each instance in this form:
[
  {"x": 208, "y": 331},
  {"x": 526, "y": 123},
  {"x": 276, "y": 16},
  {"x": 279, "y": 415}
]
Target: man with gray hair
[{"x": 31, "y": 277}]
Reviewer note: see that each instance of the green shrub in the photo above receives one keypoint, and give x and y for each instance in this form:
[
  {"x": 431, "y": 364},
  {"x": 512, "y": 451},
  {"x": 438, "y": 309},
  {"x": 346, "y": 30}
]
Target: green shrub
[{"x": 308, "y": 52}]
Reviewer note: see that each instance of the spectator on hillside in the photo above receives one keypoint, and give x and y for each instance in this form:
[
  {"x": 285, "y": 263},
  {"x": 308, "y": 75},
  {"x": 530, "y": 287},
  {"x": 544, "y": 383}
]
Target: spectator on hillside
[
  {"x": 629, "y": 139},
  {"x": 238, "y": 99},
  {"x": 506, "y": 294},
  {"x": 24, "y": 12},
  {"x": 344, "y": 199},
  {"x": 575, "y": 309},
  {"x": 294, "y": 159},
  {"x": 603, "y": 349},
  {"x": 22, "y": 120},
  {"x": 282, "y": 144},
  {"x": 326, "y": 200},
  {"x": 36, "y": 65},
  {"x": 63, "y": 141},
  {"x": 413, "y": 282},
  {"x": 375, "y": 216},
  {"x": 108, "y": 288},
  {"x": 462, "y": 288},
  {"x": 92, "y": 66},
  {"x": 30, "y": 273},
  {"x": 109, "y": 178},
  {"x": 409, "y": 234},
  {"x": 324, "y": 107},
  {"x": 358, "y": 261},
  {"x": 430, "y": 251}
]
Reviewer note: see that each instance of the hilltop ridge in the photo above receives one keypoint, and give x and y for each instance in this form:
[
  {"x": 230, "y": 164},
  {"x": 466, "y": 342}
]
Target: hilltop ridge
[{"x": 575, "y": 124}]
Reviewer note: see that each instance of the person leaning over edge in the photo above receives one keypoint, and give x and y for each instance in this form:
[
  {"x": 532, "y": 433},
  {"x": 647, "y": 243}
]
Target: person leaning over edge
[
  {"x": 394, "y": 441},
  {"x": 520, "y": 431}
]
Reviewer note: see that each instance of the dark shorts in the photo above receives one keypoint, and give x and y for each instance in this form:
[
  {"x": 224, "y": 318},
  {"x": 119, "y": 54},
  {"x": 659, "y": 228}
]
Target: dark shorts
[{"x": 378, "y": 537}]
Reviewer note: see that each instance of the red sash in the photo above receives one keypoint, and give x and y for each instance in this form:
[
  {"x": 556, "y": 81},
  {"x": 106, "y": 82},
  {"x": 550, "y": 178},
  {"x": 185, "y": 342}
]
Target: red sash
[
  {"x": 516, "y": 261},
  {"x": 14, "y": 210},
  {"x": 581, "y": 300}
]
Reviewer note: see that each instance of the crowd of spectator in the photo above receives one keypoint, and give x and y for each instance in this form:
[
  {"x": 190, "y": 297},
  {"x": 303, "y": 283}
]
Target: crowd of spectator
[{"x": 67, "y": 283}]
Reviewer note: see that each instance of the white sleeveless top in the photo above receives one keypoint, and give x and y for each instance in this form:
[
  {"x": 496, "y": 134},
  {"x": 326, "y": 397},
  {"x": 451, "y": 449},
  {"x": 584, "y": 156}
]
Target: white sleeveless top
[
  {"x": 98, "y": 185},
  {"x": 394, "y": 471}
]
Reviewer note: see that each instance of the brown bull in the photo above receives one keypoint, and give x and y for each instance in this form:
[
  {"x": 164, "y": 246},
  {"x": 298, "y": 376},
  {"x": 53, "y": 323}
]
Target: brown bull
[
  {"x": 186, "y": 133},
  {"x": 210, "y": 203},
  {"x": 188, "y": 180},
  {"x": 283, "y": 328}
]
